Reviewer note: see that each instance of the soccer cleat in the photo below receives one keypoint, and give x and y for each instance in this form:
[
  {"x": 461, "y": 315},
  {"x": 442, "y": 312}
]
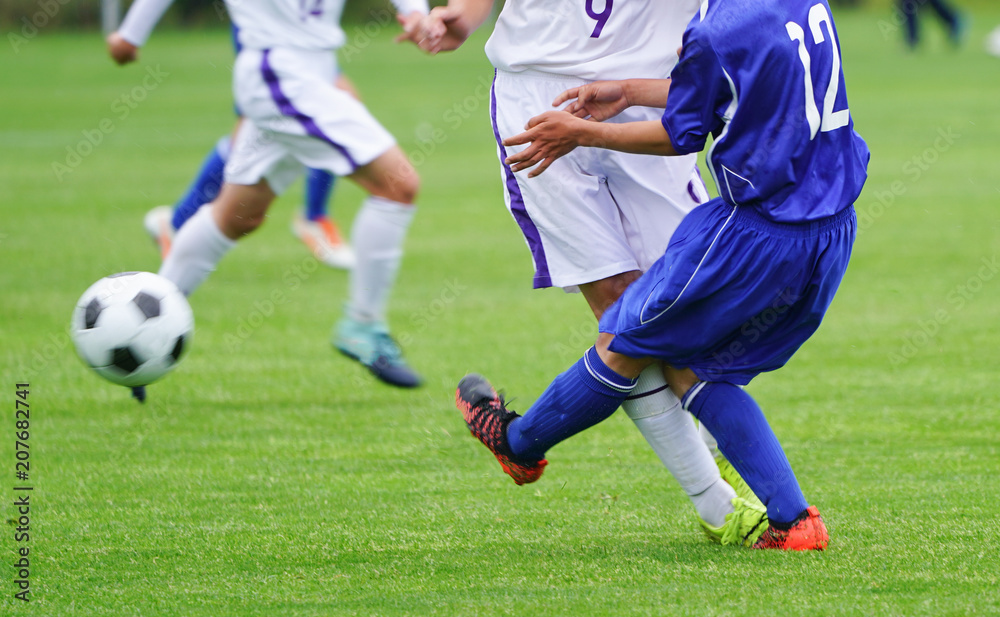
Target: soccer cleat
[
  {"x": 735, "y": 480},
  {"x": 743, "y": 526},
  {"x": 159, "y": 224},
  {"x": 487, "y": 418},
  {"x": 371, "y": 345},
  {"x": 324, "y": 241},
  {"x": 807, "y": 533}
]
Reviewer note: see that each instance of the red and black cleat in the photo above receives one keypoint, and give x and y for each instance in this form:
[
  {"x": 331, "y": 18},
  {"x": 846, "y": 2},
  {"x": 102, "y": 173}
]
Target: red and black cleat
[
  {"x": 807, "y": 533},
  {"x": 487, "y": 418}
]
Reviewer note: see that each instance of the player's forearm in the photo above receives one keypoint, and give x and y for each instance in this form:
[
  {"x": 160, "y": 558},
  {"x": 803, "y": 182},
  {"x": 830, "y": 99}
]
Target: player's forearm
[
  {"x": 474, "y": 12},
  {"x": 647, "y": 137},
  {"x": 141, "y": 18},
  {"x": 647, "y": 92}
]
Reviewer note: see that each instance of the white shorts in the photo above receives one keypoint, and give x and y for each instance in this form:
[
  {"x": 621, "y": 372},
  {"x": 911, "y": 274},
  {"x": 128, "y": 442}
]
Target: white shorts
[
  {"x": 593, "y": 213},
  {"x": 295, "y": 118}
]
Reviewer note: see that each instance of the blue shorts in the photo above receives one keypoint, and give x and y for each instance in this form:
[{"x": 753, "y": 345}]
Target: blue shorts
[{"x": 735, "y": 294}]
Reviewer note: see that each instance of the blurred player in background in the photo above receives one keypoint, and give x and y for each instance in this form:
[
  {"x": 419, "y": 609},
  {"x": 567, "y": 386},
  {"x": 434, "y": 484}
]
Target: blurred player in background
[
  {"x": 294, "y": 119},
  {"x": 598, "y": 219},
  {"x": 748, "y": 276},
  {"x": 948, "y": 14},
  {"x": 315, "y": 227}
]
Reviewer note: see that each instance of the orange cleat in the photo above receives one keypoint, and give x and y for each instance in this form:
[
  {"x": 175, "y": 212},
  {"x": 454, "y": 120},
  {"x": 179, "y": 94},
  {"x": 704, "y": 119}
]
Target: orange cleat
[
  {"x": 808, "y": 533},
  {"x": 487, "y": 418}
]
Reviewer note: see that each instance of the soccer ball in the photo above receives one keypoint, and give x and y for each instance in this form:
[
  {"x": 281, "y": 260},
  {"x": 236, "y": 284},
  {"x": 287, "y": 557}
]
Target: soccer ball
[
  {"x": 993, "y": 42},
  {"x": 132, "y": 327}
]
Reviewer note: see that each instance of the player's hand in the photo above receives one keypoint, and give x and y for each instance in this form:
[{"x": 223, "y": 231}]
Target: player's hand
[
  {"x": 120, "y": 50},
  {"x": 411, "y": 27},
  {"x": 598, "y": 101},
  {"x": 551, "y": 135},
  {"x": 443, "y": 29}
]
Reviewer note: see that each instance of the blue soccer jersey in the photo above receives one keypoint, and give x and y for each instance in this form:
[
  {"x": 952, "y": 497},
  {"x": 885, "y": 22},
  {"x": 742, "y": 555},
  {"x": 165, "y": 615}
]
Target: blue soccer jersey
[{"x": 763, "y": 77}]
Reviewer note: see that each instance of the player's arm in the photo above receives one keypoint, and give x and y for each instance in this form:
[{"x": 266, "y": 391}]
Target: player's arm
[
  {"x": 142, "y": 16},
  {"x": 557, "y": 133},
  {"x": 601, "y": 100},
  {"x": 409, "y": 14},
  {"x": 447, "y": 27}
]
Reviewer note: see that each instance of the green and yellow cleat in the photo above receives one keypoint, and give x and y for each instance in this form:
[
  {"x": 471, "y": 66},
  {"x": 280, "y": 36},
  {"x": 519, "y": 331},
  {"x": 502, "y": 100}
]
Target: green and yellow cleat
[
  {"x": 744, "y": 525},
  {"x": 735, "y": 480}
]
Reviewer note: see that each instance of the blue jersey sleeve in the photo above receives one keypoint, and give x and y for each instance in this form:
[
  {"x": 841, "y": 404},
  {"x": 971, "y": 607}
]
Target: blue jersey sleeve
[{"x": 699, "y": 95}]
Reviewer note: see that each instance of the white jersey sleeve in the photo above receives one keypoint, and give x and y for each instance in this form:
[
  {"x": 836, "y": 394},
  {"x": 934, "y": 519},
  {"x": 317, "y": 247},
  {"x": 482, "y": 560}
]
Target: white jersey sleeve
[
  {"x": 590, "y": 39},
  {"x": 300, "y": 24},
  {"x": 141, "y": 18},
  {"x": 405, "y": 7}
]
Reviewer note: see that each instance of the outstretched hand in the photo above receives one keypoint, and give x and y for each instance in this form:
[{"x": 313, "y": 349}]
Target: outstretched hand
[
  {"x": 597, "y": 101},
  {"x": 443, "y": 29},
  {"x": 551, "y": 135},
  {"x": 411, "y": 27}
]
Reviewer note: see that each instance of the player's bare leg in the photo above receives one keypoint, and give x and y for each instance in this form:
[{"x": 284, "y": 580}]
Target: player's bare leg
[
  {"x": 378, "y": 235},
  {"x": 240, "y": 209},
  {"x": 208, "y": 235}
]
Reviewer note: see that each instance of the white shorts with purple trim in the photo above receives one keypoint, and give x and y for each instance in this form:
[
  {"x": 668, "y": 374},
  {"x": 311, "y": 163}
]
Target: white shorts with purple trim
[
  {"x": 594, "y": 213},
  {"x": 295, "y": 118}
]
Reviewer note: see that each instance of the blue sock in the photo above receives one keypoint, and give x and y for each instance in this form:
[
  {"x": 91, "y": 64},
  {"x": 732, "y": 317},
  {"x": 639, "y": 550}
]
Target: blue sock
[
  {"x": 579, "y": 398},
  {"x": 319, "y": 185},
  {"x": 747, "y": 441},
  {"x": 206, "y": 184}
]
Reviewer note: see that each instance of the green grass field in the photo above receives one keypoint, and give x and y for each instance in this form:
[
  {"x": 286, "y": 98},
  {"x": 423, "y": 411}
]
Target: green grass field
[{"x": 270, "y": 476}]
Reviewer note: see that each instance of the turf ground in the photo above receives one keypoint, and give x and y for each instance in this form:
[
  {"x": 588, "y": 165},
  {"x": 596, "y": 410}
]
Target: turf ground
[{"x": 270, "y": 476}]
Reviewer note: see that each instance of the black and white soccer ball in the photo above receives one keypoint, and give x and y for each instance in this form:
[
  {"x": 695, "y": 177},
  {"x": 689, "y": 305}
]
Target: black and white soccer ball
[{"x": 132, "y": 328}]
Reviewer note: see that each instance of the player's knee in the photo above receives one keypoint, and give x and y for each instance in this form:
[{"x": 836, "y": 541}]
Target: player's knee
[
  {"x": 680, "y": 380},
  {"x": 404, "y": 185},
  {"x": 602, "y": 294},
  {"x": 621, "y": 364},
  {"x": 246, "y": 224}
]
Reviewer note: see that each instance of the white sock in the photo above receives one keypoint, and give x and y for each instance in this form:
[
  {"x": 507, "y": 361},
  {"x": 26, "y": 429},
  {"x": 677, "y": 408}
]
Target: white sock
[
  {"x": 673, "y": 436},
  {"x": 198, "y": 246},
  {"x": 713, "y": 446},
  {"x": 378, "y": 234}
]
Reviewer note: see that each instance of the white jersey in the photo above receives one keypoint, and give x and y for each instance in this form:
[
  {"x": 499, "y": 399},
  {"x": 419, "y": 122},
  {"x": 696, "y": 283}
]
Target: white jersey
[
  {"x": 590, "y": 39},
  {"x": 301, "y": 24}
]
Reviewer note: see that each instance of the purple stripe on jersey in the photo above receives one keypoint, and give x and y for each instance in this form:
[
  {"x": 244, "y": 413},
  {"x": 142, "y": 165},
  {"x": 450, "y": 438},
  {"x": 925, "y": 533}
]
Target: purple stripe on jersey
[
  {"x": 692, "y": 188},
  {"x": 542, "y": 278},
  {"x": 286, "y": 108}
]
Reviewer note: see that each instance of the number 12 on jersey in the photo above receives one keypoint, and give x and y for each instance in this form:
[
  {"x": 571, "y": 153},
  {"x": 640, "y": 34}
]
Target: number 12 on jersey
[{"x": 830, "y": 120}]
